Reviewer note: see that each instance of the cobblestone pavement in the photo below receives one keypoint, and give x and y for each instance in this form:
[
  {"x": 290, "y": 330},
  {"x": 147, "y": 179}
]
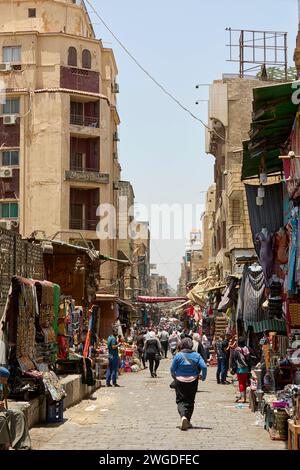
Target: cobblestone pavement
[{"x": 142, "y": 414}]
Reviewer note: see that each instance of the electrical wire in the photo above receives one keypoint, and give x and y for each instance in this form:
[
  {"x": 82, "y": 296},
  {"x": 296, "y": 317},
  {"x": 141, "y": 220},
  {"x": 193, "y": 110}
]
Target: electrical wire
[{"x": 163, "y": 89}]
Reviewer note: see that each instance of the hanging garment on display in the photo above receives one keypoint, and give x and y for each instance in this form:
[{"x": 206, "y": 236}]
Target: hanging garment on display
[
  {"x": 297, "y": 274},
  {"x": 20, "y": 323},
  {"x": 291, "y": 166},
  {"x": 270, "y": 214},
  {"x": 251, "y": 297},
  {"x": 56, "y": 307},
  {"x": 265, "y": 246},
  {"x": 292, "y": 230},
  {"x": 282, "y": 246},
  {"x": 230, "y": 296}
]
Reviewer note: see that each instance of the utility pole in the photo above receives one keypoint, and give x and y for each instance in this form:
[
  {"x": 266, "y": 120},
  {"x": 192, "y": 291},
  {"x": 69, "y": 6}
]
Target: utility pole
[{"x": 298, "y": 12}]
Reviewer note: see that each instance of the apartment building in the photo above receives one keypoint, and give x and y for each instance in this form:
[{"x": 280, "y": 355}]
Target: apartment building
[
  {"x": 230, "y": 114},
  {"x": 58, "y": 121}
]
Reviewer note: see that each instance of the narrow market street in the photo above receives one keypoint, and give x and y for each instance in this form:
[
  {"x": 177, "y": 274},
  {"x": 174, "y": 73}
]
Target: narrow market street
[{"x": 142, "y": 414}]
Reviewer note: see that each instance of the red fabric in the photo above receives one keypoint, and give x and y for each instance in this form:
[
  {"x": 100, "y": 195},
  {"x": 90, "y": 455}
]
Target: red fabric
[
  {"x": 155, "y": 300},
  {"x": 190, "y": 311},
  {"x": 87, "y": 344},
  {"x": 243, "y": 380},
  {"x": 62, "y": 344}
]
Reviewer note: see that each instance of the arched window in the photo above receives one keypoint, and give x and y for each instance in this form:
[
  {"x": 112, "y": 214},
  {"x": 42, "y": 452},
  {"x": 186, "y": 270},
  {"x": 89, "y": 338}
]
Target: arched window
[
  {"x": 72, "y": 57},
  {"x": 86, "y": 59}
]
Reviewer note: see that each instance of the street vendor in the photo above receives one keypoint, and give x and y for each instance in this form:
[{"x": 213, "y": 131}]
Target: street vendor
[{"x": 13, "y": 426}]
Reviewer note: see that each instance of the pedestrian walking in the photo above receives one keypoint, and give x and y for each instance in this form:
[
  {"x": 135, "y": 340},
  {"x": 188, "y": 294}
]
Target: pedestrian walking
[
  {"x": 220, "y": 347},
  {"x": 164, "y": 341},
  {"x": 153, "y": 352},
  {"x": 205, "y": 344},
  {"x": 113, "y": 359},
  {"x": 241, "y": 365},
  {"x": 198, "y": 346},
  {"x": 173, "y": 342},
  {"x": 140, "y": 340},
  {"x": 185, "y": 370},
  {"x": 232, "y": 346}
]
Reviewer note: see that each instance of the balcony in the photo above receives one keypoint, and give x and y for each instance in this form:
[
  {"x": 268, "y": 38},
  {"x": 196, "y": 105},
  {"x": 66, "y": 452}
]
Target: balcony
[
  {"x": 87, "y": 121},
  {"x": 83, "y": 208},
  {"x": 83, "y": 224},
  {"x": 85, "y": 175}
]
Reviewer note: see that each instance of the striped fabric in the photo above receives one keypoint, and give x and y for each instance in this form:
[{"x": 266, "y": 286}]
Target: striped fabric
[
  {"x": 271, "y": 325},
  {"x": 251, "y": 297}
]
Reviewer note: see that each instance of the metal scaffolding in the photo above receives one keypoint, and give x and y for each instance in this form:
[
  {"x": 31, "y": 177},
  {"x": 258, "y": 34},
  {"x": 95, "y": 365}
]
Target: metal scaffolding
[{"x": 259, "y": 48}]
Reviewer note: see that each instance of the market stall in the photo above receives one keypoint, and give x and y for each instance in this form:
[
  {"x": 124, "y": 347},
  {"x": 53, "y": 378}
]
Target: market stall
[{"x": 269, "y": 298}]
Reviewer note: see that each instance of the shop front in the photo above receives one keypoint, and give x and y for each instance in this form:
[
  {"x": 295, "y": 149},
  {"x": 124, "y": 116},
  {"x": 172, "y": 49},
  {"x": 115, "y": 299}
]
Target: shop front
[{"x": 269, "y": 298}]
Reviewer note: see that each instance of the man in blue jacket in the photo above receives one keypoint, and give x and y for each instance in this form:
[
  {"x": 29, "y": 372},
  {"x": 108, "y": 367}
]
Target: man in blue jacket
[{"x": 186, "y": 368}]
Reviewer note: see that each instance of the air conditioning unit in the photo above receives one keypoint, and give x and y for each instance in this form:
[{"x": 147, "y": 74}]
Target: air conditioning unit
[
  {"x": 6, "y": 67},
  {"x": 116, "y": 185},
  {"x": 6, "y": 172},
  {"x": 5, "y": 224},
  {"x": 9, "y": 119},
  {"x": 116, "y": 137},
  {"x": 116, "y": 88}
]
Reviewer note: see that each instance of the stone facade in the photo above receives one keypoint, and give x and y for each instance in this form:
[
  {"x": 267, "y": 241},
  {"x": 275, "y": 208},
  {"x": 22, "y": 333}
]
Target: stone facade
[{"x": 230, "y": 116}]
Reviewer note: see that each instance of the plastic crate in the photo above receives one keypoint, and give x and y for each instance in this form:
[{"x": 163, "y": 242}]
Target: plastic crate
[{"x": 55, "y": 412}]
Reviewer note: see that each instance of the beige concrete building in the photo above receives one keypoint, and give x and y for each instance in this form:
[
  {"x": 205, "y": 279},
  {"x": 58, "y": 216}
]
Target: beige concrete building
[
  {"x": 193, "y": 263},
  {"x": 230, "y": 113},
  {"x": 141, "y": 253},
  {"x": 59, "y": 123},
  {"x": 208, "y": 248},
  {"x": 127, "y": 275}
]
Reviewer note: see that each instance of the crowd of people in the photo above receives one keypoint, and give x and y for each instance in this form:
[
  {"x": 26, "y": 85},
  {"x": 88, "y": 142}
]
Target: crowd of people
[{"x": 191, "y": 354}]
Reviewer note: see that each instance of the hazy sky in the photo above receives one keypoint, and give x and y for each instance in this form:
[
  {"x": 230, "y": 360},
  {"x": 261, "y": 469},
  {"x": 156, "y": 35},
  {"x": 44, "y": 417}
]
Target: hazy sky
[{"x": 181, "y": 43}]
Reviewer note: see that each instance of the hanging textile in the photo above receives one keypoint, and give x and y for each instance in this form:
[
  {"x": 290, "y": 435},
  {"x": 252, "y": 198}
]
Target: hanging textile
[
  {"x": 230, "y": 295},
  {"x": 89, "y": 333},
  {"x": 56, "y": 307},
  {"x": 20, "y": 323},
  {"x": 251, "y": 297},
  {"x": 270, "y": 214},
  {"x": 292, "y": 230}
]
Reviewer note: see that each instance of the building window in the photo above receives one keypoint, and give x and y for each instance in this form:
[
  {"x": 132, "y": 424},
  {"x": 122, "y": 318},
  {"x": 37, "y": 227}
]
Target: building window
[
  {"x": 72, "y": 57},
  {"x": 10, "y": 158},
  {"x": 31, "y": 12},
  {"x": 224, "y": 235},
  {"x": 86, "y": 59},
  {"x": 12, "y": 54},
  {"x": 9, "y": 210},
  {"x": 11, "y": 106},
  {"x": 236, "y": 212},
  {"x": 78, "y": 162}
]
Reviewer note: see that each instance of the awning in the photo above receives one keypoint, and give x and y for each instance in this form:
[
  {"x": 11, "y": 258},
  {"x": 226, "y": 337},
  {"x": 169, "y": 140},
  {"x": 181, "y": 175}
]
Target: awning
[
  {"x": 271, "y": 325},
  {"x": 127, "y": 304},
  {"x": 116, "y": 260},
  {"x": 273, "y": 116},
  {"x": 156, "y": 300},
  {"x": 185, "y": 304},
  {"x": 198, "y": 294}
]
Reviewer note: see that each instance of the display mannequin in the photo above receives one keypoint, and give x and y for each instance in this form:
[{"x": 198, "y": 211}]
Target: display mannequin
[{"x": 265, "y": 245}]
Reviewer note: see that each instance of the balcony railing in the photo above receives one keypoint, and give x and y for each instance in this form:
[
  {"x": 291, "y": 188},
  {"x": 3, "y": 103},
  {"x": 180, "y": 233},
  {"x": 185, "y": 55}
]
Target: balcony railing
[
  {"x": 83, "y": 224},
  {"x": 87, "y": 121}
]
